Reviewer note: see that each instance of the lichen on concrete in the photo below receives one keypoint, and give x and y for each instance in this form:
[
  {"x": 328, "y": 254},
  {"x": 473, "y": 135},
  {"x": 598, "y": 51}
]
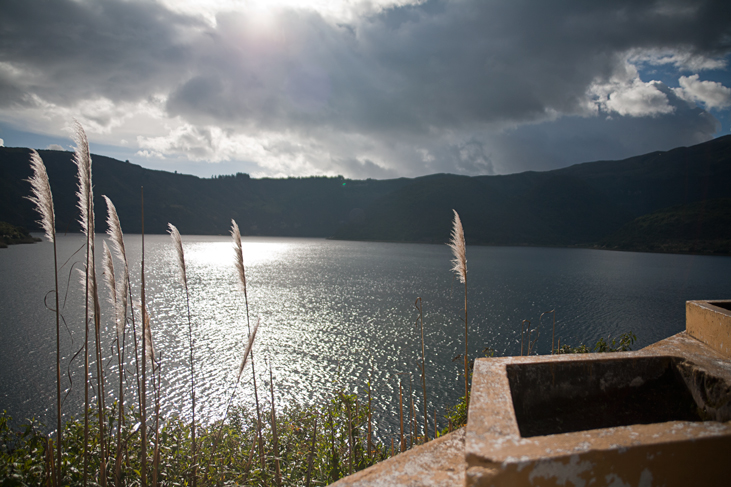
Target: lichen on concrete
[{"x": 438, "y": 463}]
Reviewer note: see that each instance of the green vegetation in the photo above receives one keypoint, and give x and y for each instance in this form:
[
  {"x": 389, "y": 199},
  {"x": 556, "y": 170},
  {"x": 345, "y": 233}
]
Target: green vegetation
[
  {"x": 339, "y": 429},
  {"x": 621, "y": 344},
  {"x": 10, "y": 235}
]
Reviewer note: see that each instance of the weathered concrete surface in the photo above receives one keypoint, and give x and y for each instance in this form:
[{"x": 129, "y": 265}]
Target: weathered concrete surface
[
  {"x": 673, "y": 453},
  {"x": 438, "y": 463},
  {"x": 710, "y": 322}
]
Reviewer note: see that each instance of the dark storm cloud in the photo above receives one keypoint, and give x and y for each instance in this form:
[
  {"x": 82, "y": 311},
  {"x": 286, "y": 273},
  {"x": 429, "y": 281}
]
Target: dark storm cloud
[
  {"x": 64, "y": 50},
  {"x": 453, "y": 86}
]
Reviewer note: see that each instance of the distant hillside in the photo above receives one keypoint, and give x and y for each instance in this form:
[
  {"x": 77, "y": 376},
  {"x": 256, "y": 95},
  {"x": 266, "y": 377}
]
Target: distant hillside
[
  {"x": 702, "y": 227},
  {"x": 307, "y": 207},
  {"x": 581, "y": 205},
  {"x": 577, "y": 205}
]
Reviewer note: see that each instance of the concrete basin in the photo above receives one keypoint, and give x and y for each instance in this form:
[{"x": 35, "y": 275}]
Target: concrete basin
[{"x": 660, "y": 416}]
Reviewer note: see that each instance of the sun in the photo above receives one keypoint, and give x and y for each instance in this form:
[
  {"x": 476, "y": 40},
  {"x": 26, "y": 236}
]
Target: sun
[{"x": 264, "y": 10}]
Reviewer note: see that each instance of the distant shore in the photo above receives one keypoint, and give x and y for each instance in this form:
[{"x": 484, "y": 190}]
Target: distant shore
[{"x": 12, "y": 235}]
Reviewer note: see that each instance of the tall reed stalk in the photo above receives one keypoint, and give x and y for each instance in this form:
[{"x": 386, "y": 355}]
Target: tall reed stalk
[
  {"x": 311, "y": 454},
  {"x": 370, "y": 421},
  {"x": 42, "y": 198},
  {"x": 145, "y": 320},
  {"x": 119, "y": 296},
  {"x": 401, "y": 415},
  {"x": 275, "y": 439},
  {"x": 156, "y": 389},
  {"x": 85, "y": 194},
  {"x": 178, "y": 244},
  {"x": 457, "y": 244},
  {"x": 420, "y": 321},
  {"x": 241, "y": 270},
  {"x": 111, "y": 281},
  {"x": 244, "y": 359}
]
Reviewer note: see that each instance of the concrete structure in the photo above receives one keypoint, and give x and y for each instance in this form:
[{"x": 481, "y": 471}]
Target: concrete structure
[{"x": 658, "y": 416}]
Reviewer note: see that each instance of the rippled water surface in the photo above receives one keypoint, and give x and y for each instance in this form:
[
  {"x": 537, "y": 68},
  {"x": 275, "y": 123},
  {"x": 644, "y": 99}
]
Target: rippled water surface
[{"x": 335, "y": 314}]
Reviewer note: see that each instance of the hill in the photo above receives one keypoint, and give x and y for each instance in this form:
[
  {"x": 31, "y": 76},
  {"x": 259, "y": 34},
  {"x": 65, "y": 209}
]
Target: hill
[
  {"x": 581, "y": 205},
  {"x": 577, "y": 205},
  {"x": 703, "y": 227},
  {"x": 306, "y": 207}
]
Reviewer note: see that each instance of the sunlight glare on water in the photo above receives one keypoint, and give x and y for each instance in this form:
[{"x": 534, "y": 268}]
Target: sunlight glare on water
[{"x": 334, "y": 316}]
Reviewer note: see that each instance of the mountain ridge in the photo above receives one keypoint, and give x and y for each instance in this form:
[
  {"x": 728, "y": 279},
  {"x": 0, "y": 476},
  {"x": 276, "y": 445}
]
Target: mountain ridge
[{"x": 579, "y": 205}]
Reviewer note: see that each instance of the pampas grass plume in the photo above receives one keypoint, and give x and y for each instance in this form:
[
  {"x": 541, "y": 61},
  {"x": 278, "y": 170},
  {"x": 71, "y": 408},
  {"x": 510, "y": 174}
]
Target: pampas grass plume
[
  {"x": 41, "y": 196},
  {"x": 457, "y": 245},
  {"x": 111, "y": 282},
  {"x": 239, "y": 253},
  {"x": 114, "y": 230},
  {"x": 82, "y": 159},
  {"x": 178, "y": 243}
]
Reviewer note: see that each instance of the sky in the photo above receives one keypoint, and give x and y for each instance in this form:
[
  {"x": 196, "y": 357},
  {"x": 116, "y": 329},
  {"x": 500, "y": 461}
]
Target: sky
[{"x": 364, "y": 88}]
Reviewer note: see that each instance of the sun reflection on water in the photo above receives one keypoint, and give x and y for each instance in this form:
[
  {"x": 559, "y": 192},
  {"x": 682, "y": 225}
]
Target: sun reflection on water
[{"x": 337, "y": 315}]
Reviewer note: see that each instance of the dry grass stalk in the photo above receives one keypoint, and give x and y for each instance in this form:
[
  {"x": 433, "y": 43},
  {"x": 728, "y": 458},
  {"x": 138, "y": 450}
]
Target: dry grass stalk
[
  {"x": 178, "y": 244},
  {"x": 156, "y": 389},
  {"x": 350, "y": 437},
  {"x": 82, "y": 159},
  {"x": 244, "y": 359},
  {"x": 311, "y": 454},
  {"x": 435, "y": 423},
  {"x": 370, "y": 421},
  {"x": 241, "y": 271},
  {"x": 114, "y": 230},
  {"x": 111, "y": 282},
  {"x": 50, "y": 468},
  {"x": 401, "y": 415},
  {"x": 150, "y": 355},
  {"x": 457, "y": 244},
  {"x": 420, "y": 321},
  {"x": 275, "y": 439},
  {"x": 413, "y": 419},
  {"x": 118, "y": 299},
  {"x": 143, "y": 385},
  {"x": 553, "y": 332},
  {"x": 42, "y": 199}
]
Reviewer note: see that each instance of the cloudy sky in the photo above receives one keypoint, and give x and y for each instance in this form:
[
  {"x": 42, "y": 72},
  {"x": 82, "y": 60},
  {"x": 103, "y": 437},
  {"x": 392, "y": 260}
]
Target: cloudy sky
[{"x": 378, "y": 88}]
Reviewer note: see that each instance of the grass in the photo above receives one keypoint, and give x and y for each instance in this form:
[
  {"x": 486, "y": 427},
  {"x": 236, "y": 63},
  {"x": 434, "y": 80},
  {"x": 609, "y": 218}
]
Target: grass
[{"x": 331, "y": 437}]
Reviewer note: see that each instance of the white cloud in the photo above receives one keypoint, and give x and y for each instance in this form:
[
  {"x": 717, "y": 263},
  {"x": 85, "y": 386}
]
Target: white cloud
[
  {"x": 147, "y": 154},
  {"x": 55, "y": 147},
  {"x": 679, "y": 58},
  {"x": 626, "y": 94},
  {"x": 2, "y": 143},
  {"x": 711, "y": 93}
]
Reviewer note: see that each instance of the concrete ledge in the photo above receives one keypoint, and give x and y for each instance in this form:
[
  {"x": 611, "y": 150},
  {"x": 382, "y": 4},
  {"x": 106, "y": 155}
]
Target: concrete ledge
[
  {"x": 438, "y": 463},
  {"x": 710, "y": 322}
]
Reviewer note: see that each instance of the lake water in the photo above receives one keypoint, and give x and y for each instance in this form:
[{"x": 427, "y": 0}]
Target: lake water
[{"x": 336, "y": 314}]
